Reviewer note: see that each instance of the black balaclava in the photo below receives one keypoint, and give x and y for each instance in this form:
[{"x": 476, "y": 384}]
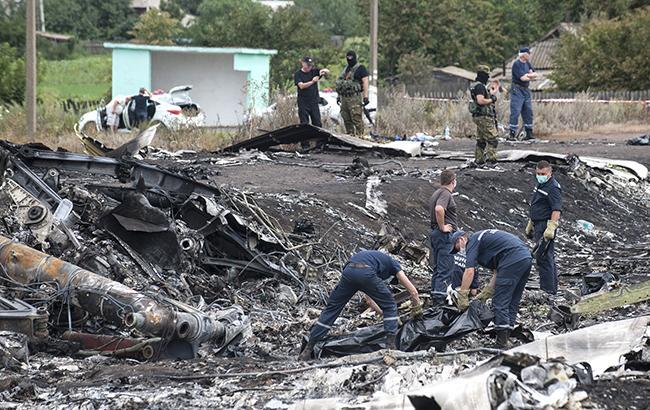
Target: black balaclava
[
  {"x": 351, "y": 58},
  {"x": 482, "y": 77}
]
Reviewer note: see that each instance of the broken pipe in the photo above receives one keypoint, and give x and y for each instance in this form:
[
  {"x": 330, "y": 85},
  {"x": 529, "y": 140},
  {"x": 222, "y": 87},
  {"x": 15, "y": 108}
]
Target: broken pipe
[{"x": 182, "y": 327}]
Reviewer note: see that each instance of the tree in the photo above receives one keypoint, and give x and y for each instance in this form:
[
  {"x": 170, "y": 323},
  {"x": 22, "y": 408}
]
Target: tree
[
  {"x": 155, "y": 27},
  {"x": 88, "y": 19},
  {"x": 231, "y": 23},
  {"x": 12, "y": 81},
  {"x": 337, "y": 17},
  {"x": 613, "y": 50}
]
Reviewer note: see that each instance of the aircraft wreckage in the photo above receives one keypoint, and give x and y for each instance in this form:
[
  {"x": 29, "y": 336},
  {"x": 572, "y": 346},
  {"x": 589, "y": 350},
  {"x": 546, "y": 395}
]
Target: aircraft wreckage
[{"x": 134, "y": 254}]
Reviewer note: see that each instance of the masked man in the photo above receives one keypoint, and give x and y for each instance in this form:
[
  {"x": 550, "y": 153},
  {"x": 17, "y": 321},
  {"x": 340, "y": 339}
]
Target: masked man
[{"x": 352, "y": 90}]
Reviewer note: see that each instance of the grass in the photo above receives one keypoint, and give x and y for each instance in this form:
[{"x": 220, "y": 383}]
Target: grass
[{"x": 81, "y": 78}]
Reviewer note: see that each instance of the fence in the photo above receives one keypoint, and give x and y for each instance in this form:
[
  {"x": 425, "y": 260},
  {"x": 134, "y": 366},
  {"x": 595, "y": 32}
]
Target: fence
[
  {"x": 542, "y": 96},
  {"x": 78, "y": 106}
]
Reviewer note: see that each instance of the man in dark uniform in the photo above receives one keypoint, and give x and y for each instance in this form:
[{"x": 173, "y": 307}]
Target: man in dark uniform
[
  {"x": 545, "y": 211},
  {"x": 352, "y": 88},
  {"x": 521, "y": 101},
  {"x": 444, "y": 221},
  {"x": 510, "y": 261},
  {"x": 457, "y": 272},
  {"x": 368, "y": 272},
  {"x": 484, "y": 116},
  {"x": 306, "y": 79},
  {"x": 141, "y": 101}
]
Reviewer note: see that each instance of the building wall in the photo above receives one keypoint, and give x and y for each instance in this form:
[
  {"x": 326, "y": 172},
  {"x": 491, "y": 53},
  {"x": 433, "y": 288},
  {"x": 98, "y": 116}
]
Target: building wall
[
  {"x": 131, "y": 70},
  {"x": 218, "y": 88}
]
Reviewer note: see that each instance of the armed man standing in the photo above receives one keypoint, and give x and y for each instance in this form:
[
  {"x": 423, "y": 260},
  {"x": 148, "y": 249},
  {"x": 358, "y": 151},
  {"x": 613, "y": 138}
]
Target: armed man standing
[
  {"x": 484, "y": 116},
  {"x": 510, "y": 261},
  {"x": 306, "y": 79},
  {"x": 368, "y": 272},
  {"x": 443, "y": 223},
  {"x": 521, "y": 101},
  {"x": 352, "y": 89},
  {"x": 545, "y": 211}
]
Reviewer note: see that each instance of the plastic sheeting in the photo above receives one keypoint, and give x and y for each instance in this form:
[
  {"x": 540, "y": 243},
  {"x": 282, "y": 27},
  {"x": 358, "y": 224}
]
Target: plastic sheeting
[{"x": 437, "y": 327}]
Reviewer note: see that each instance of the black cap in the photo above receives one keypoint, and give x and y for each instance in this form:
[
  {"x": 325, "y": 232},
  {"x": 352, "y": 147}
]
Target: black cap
[
  {"x": 308, "y": 60},
  {"x": 454, "y": 237}
]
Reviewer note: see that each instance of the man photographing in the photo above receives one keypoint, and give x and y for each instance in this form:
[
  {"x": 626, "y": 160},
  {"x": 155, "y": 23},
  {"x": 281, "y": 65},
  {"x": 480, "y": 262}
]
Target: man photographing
[{"x": 306, "y": 79}]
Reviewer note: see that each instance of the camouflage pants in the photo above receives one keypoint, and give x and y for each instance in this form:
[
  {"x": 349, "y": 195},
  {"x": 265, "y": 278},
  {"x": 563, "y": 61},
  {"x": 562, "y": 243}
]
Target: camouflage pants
[
  {"x": 352, "y": 114},
  {"x": 486, "y": 140}
]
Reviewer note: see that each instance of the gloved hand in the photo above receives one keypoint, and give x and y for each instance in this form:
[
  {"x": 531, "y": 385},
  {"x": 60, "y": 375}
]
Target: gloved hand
[
  {"x": 485, "y": 294},
  {"x": 338, "y": 100},
  {"x": 366, "y": 101},
  {"x": 493, "y": 98},
  {"x": 416, "y": 311},
  {"x": 529, "y": 229},
  {"x": 551, "y": 226},
  {"x": 462, "y": 299}
]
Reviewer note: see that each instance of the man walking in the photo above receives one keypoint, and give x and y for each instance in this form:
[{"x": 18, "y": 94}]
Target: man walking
[
  {"x": 306, "y": 79},
  {"x": 442, "y": 207},
  {"x": 510, "y": 260},
  {"x": 368, "y": 272},
  {"x": 484, "y": 116},
  {"x": 545, "y": 211},
  {"x": 520, "y": 97},
  {"x": 352, "y": 90}
]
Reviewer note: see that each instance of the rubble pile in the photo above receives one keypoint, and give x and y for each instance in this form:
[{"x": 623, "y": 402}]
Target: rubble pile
[{"x": 113, "y": 265}]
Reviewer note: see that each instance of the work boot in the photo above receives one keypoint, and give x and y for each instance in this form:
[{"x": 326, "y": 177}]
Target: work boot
[
  {"x": 512, "y": 136},
  {"x": 305, "y": 355},
  {"x": 502, "y": 339},
  {"x": 529, "y": 135},
  {"x": 391, "y": 341}
]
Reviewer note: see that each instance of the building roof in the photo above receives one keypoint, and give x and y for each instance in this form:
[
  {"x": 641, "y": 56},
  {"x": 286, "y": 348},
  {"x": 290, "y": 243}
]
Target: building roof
[
  {"x": 195, "y": 50},
  {"x": 275, "y": 4},
  {"x": 457, "y": 72}
]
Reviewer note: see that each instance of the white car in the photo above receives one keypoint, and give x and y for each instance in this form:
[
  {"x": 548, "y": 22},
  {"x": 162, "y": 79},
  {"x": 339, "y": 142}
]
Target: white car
[
  {"x": 331, "y": 109},
  {"x": 174, "y": 110}
]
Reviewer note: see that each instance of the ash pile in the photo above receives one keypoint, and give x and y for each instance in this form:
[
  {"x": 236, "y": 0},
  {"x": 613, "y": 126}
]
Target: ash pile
[{"x": 114, "y": 266}]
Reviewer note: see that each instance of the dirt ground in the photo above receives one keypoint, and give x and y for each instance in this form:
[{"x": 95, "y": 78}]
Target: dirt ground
[{"x": 323, "y": 190}]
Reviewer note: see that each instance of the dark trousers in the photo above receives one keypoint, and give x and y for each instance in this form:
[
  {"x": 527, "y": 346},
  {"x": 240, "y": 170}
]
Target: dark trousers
[
  {"x": 546, "y": 264},
  {"x": 510, "y": 284},
  {"x": 521, "y": 102},
  {"x": 309, "y": 110},
  {"x": 353, "y": 280},
  {"x": 140, "y": 117},
  {"x": 441, "y": 263}
]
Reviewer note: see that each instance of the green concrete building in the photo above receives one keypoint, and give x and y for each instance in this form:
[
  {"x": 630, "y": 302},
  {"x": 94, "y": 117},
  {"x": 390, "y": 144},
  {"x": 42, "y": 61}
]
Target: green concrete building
[{"x": 227, "y": 82}]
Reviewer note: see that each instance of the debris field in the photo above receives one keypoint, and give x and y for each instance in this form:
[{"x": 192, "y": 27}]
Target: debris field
[{"x": 152, "y": 279}]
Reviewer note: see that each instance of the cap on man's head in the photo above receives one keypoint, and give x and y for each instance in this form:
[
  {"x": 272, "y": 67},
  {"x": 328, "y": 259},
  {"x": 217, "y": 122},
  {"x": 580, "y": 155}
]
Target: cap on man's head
[
  {"x": 454, "y": 237},
  {"x": 524, "y": 50},
  {"x": 483, "y": 69},
  {"x": 308, "y": 60}
]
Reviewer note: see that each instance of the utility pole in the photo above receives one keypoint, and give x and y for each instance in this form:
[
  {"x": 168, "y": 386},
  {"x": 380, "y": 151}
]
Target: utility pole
[
  {"x": 30, "y": 67},
  {"x": 374, "y": 22}
]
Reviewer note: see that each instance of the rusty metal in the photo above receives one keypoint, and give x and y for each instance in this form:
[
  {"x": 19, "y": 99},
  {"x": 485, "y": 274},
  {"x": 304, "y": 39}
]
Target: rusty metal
[
  {"x": 117, "y": 303},
  {"x": 18, "y": 316},
  {"x": 125, "y": 347}
]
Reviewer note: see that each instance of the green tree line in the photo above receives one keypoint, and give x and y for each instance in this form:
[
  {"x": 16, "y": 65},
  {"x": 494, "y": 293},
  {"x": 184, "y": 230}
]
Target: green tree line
[{"x": 414, "y": 35}]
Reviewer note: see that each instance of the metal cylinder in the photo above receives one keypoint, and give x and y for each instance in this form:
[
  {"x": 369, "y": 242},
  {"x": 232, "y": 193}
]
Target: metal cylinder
[{"x": 98, "y": 295}]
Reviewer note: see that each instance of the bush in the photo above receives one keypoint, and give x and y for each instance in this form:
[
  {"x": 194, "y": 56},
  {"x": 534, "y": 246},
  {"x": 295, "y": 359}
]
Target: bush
[
  {"x": 12, "y": 80},
  {"x": 612, "y": 50},
  {"x": 155, "y": 27}
]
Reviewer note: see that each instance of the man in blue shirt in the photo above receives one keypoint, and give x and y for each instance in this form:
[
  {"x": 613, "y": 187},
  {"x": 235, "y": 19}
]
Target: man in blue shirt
[
  {"x": 368, "y": 272},
  {"x": 510, "y": 261},
  {"x": 545, "y": 211},
  {"x": 520, "y": 97},
  {"x": 141, "y": 102}
]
